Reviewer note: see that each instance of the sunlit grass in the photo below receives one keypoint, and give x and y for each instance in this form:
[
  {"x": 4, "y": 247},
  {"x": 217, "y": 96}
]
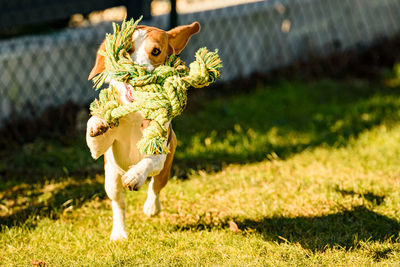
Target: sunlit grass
[{"x": 309, "y": 172}]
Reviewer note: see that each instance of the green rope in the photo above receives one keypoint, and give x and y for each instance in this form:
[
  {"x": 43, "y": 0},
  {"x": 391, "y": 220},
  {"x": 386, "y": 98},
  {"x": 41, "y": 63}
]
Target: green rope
[{"x": 159, "y": 95}]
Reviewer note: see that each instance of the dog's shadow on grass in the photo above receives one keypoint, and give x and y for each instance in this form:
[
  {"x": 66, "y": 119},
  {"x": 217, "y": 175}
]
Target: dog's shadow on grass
[{"x": 346, "y": 229}]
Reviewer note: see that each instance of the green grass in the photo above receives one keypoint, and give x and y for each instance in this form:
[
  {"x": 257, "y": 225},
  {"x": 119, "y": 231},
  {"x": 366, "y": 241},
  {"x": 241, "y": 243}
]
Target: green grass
[{"x": 309, "y": 172}]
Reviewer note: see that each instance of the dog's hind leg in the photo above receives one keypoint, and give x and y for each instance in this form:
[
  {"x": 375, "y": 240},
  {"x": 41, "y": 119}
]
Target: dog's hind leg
[
  {"x": 152, "y": 205},
  {"x": 113, "y": 187}
]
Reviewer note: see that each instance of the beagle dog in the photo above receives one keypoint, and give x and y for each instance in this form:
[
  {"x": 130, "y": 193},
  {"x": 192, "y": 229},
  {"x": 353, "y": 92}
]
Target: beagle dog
[{"x": 123, "y": 164}]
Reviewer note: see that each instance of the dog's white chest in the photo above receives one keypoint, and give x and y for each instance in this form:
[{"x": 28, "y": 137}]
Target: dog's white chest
[{"x": 124, "y": 150}]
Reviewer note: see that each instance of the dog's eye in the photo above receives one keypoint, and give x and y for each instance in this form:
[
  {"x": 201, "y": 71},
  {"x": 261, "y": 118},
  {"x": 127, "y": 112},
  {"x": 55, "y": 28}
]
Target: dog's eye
[{"x": 155, "y": 51}]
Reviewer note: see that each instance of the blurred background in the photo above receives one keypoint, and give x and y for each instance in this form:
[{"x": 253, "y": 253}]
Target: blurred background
[{"x": 47, "y": 48}]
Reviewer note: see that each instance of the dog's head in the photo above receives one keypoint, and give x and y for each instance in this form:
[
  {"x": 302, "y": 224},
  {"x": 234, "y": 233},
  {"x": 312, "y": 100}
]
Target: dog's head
[{"x": 151, "y": 46}]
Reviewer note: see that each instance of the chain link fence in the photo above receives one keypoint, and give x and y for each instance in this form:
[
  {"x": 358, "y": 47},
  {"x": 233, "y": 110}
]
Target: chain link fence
[{"x": 49, "y": 70}]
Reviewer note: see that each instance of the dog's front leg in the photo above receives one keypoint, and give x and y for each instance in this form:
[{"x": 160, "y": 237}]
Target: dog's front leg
[
  {"x": 98, "y": 143},
  {"x": 135, "y": 177},
  {"x": 150, "y": 165},
  {"x": 113, "y": 187},
  {"x": 97, "y": 126}
]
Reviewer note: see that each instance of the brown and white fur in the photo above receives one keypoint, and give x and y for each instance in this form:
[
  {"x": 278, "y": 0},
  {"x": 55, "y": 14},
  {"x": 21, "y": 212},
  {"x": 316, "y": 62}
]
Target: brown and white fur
[{"x": 123, "y": 164}]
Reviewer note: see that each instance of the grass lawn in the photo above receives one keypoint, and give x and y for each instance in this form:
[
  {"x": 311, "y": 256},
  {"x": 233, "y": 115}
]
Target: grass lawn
[{"x": 308, "y": 171}]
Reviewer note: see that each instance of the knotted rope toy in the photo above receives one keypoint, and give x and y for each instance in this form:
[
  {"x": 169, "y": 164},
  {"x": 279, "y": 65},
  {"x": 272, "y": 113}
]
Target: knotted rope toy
[{"x": 159, "y": 95}]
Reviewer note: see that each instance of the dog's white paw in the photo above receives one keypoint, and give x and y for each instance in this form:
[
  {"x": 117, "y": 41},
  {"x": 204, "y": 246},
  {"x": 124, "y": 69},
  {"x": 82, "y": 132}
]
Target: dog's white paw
[
  {"x": 118, "y": 235},
  {"x": 97, "y": 126},
  {"x": 152, "y": 206},
  {"x": 134, "y": 178}
]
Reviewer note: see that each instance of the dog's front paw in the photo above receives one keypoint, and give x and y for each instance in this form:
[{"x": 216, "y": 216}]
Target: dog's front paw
[
  {"x": 134, "y": 178},
  {"x": 97, "y": 126}
]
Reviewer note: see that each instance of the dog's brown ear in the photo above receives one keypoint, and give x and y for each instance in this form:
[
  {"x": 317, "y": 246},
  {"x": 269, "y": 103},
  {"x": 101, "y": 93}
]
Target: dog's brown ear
[
  {"x": 178, "y": 37},
  {"x": 99, "y": 64}
]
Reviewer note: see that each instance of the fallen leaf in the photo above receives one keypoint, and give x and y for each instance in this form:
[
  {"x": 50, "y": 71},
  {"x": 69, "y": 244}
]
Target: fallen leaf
[
  {"x": 233, "y": 227},
  {"x": 38, "y": 263}
]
